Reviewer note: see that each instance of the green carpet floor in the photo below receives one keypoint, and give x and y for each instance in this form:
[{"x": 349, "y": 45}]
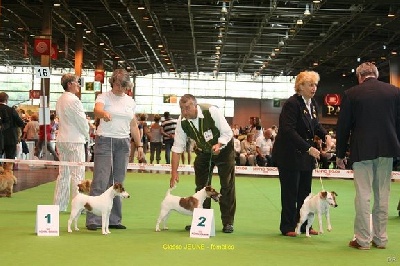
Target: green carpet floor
[{"x": 256, "y": 240}]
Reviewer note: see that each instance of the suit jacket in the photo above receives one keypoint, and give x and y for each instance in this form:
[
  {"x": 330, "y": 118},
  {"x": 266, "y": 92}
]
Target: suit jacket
[
  {"x": 296, "y": 135},
  {"x": 370, "y": 117},
  {"x": 10, "y": 135}
]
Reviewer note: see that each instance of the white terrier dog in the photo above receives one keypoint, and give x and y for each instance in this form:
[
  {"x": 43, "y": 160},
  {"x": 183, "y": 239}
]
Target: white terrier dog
[
  {"x": 184, "y": 205},
  {"x": 318, "y": 204},
  {"x": 99, "y": 205}
]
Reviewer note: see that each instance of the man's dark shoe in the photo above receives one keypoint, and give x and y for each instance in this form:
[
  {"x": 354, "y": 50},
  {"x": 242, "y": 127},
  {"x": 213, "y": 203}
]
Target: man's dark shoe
[
  {"x": 91, "y": 227},
  {"x": 188, "y": 227},
  {"x": 228, "y": 228},
  {"x": 117, "y": 226}
]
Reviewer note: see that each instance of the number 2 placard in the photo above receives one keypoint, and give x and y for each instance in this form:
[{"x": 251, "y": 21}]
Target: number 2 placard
[
  {"x": 47, "y": 220},
  {"x": 203, "y": 223}
]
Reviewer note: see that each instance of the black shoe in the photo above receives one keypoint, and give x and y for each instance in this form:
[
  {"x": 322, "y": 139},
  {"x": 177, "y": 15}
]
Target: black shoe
[
  {"x": 91, "y": 227},
  {"x": 187, "y": 227},
  {"x": 117, "y": 226},
  {"x": 228, "y": 228}
]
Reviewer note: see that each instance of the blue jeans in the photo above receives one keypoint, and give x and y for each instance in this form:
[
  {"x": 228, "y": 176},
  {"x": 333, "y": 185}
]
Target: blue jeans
[{"x": 168, "y": 145}]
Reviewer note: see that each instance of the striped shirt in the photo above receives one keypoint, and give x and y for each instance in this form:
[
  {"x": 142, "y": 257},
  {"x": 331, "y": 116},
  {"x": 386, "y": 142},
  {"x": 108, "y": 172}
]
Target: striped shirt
[{"x": 168, "y": 127}]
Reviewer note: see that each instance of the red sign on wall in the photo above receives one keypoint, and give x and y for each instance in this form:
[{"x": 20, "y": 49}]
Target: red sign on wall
[
  {"x": 54, "y": 51},
  {"x": 99, "y": 75},
  {"x": 333, "y": 99},
  {"x": 34, "y": 94},
  {"x": 41, "y": 46}
]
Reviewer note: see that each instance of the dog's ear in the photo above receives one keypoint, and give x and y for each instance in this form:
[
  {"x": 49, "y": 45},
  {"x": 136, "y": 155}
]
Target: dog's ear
[
  {"x": 323, "y": 194},
  {"x": 334, "y": 193}
]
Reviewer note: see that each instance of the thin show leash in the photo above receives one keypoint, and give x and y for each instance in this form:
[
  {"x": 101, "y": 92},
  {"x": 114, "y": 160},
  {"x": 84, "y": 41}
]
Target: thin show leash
[{"x": 320, "y": 176}]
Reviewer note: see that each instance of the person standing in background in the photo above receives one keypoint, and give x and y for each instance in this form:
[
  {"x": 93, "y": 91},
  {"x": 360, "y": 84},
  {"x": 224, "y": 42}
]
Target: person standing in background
[
  {"x": 369, "y": 114},
  {"x": 155, "y": 139},
  {"x": 168, "y": 131},
  {"x": 31, "y": 131},
  {"x": 116, "y": 111},
  {"x": 293, "y": 151},
  {"x": 41, "y": 141},
  {"x": 144, "y": 135},
  {"x": 73, "y": 132},
  {"x": 10, "y": 122}
]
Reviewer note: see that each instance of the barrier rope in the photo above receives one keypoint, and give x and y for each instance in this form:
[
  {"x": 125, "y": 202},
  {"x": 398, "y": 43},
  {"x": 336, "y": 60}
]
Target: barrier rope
[{"x": 242, "y": 170}]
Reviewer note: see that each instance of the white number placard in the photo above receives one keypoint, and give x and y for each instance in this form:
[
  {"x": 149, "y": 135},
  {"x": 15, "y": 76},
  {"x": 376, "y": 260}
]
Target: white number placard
[
  {"x": 203, "y": 223},
  {"x": 48, "y": 220},
  {"x": 42, "y": 72}
]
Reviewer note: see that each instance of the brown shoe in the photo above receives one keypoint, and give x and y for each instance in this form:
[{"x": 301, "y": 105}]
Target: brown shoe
[
  {"x": 291, "y": 234},
  {"x": 377, "y": 246},
  {"x": 313, "y": 232},
  {"x": 354, "y": 244}
]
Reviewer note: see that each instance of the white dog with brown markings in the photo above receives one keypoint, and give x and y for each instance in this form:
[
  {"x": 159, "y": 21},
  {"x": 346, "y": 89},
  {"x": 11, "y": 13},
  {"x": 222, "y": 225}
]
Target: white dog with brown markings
[
  {"x": 99, "y": 205},
  {"x": 317, "y": 204},
  {"x": 184, "y": 205}
]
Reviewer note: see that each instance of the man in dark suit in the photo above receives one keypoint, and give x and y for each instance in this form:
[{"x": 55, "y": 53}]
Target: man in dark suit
[
  {"x": 294, "y": 152},
  {"x": 370, "y": 117},
  {"x": 10, "y": 131}
]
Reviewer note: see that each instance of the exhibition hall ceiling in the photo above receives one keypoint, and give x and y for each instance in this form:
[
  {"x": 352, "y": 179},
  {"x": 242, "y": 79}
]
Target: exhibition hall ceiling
[{"x": 257, "y": 37}]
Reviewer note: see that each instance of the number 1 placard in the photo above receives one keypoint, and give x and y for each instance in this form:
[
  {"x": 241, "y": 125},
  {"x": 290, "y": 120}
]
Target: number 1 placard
[
  {"x": 203, "y": 223},
  {"x": 48, "y": 220}
]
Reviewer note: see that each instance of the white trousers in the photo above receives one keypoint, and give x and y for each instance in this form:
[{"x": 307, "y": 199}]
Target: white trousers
[{"x": 67, "y": 175}]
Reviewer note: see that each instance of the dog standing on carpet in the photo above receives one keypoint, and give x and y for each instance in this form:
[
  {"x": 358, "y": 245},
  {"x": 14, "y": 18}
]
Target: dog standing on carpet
[
  {"x": 99, "y": 205},
  {"x": 184, "y": 205},
  {"x": 316, "y": 204},
  {"x": 7, "y": 179}
]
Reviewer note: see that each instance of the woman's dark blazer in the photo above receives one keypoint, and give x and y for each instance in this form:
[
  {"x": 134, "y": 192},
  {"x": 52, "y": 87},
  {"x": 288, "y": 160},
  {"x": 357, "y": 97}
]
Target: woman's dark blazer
[{"x": 296, "y": 135}]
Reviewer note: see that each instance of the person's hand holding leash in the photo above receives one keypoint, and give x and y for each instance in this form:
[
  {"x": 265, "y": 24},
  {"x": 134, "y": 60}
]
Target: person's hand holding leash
[
  {"x": 217, "y": 148},
  {"x": 314, "y": 152},
  {"x": 140, "y": 153},
  {"x": 106, "y": 116},
  {"x": 341, "y": 163}
]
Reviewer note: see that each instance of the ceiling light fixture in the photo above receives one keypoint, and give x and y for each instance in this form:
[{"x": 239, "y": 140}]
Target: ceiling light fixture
[
  {"x": 316, "y": 1},
  {"x": 307, "y": 11},
  {"x": 391, "y": 12},
  {"x": 299, "y": 22},
  {"x": 223, "y": 9},
  {"x": 141, "y": 6}
]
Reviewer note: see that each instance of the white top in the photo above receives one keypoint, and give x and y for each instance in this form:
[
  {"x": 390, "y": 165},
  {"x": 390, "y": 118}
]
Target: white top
[
  {"x": 122, "y": 109},
  {"x": 225, "y": 130},
  {"x": 236, "y": 145},
  {"x": 265, "y": 145},
  {"x": 72, "y": 125}
]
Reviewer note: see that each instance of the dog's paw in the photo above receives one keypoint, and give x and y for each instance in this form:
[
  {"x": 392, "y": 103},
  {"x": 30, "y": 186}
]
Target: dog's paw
[
  {"x": 329, "y": 229},
  {"x": 69, "y": 231},
  {"x": 165, "y": 228},
  {"x": 76, "y": 229}
]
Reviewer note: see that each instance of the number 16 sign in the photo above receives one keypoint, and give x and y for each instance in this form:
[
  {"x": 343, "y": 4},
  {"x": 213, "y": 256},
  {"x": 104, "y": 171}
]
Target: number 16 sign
[
  {"x": 203, "y": 223},
  {"x": 48, "y": 220}
]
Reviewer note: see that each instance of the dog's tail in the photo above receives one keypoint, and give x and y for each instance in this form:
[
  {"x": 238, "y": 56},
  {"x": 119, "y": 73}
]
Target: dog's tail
[{"x": 169, "y": 190}]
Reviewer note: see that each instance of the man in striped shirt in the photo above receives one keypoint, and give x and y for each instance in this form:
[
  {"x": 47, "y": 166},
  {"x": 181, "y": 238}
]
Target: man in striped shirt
[{"x": 168, "y": 131}]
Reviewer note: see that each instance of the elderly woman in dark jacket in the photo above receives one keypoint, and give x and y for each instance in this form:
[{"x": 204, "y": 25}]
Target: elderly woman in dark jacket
[{"x": 293, "y": 151}]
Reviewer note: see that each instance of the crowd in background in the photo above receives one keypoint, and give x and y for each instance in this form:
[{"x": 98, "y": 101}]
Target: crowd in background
[{"x": 253, "y": 143}]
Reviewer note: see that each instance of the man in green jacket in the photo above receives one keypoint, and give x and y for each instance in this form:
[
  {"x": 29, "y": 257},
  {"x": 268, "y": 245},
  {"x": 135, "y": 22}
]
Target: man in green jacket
[{"x": 212, "y": 134}]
